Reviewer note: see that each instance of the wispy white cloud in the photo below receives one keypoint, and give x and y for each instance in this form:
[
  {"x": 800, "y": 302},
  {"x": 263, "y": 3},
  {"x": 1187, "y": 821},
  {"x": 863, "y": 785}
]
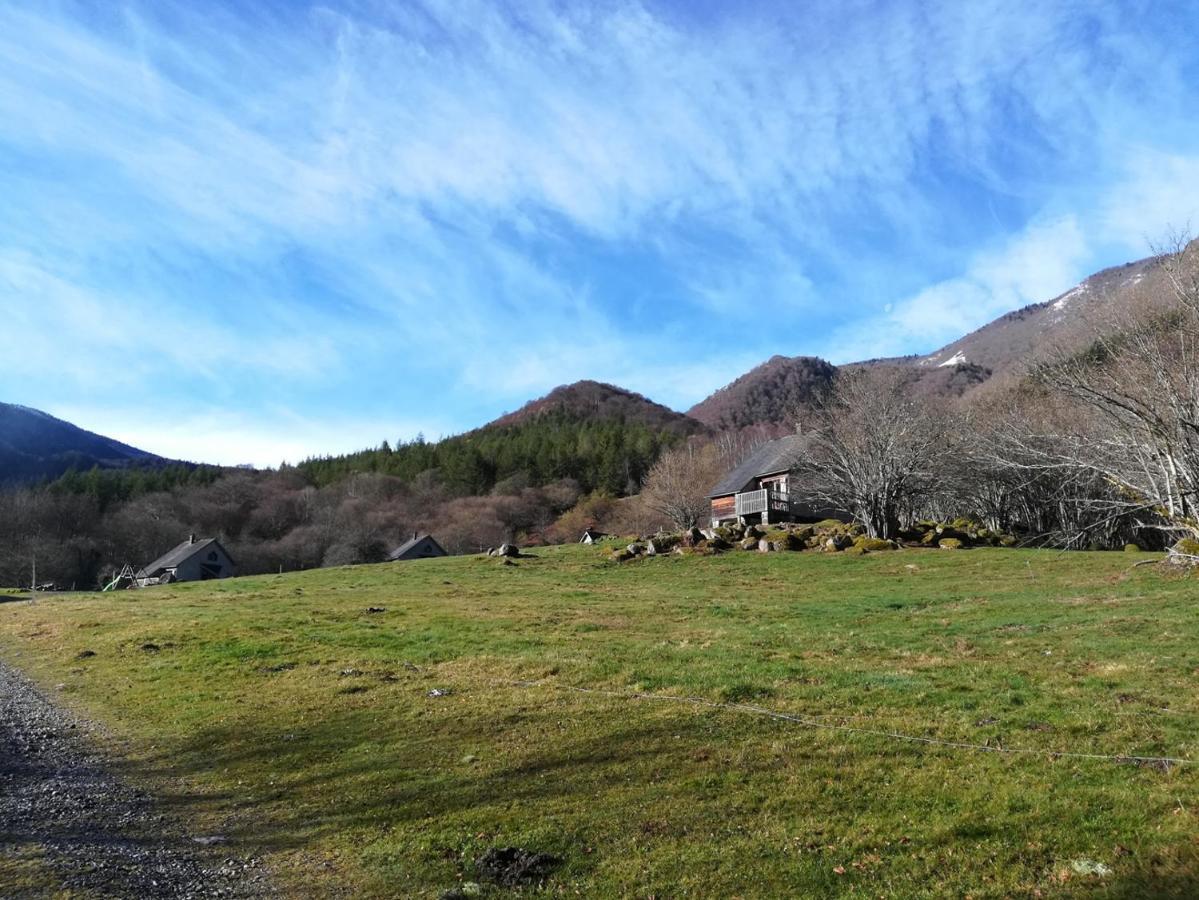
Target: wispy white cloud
[
  {"x": 1037, "y": 264},
  {"x": 420, "y": 212}
]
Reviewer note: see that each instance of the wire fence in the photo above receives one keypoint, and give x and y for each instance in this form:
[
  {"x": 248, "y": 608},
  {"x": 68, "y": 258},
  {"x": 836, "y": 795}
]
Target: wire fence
[{"x": 821, "y": 722}]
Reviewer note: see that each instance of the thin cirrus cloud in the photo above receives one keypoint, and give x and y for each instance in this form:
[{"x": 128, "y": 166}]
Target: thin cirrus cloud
[{"x": 388, "y": 215}]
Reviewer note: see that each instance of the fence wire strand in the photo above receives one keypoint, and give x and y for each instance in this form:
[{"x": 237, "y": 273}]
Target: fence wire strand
[{"x": 814, "y": 722}]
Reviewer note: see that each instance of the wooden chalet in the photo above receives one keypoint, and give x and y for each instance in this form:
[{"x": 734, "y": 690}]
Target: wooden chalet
[{"x": 758, "y": 491}]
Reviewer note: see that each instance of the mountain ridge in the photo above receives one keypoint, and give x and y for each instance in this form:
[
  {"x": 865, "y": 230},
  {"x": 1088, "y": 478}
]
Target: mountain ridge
[{"x": 35, "y": 445}]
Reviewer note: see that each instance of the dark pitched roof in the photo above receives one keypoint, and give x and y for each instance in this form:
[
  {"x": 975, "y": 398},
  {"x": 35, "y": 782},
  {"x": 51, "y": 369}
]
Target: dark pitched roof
[
  {"x": 183, "y": 552},
  {"x": 770, "y": 458},
  {"x": 399, "y": 551}
]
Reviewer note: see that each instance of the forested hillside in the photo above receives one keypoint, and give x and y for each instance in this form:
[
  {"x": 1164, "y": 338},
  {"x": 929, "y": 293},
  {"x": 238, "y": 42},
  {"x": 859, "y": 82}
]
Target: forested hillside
[
  {"x": 510, "y": 480},
  {"x": 611, "y": 455},
  {"x": 35, "y": 446}
]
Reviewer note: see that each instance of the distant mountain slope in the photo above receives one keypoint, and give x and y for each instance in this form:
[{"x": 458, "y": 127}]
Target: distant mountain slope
[
  {"x": 35, "y": 445},
  {"x": 768, "y": 394},
  {"x": 1017, "y": 340},
  {"x": 989, "y": 360},
  {"x": 596, "y": 401}
]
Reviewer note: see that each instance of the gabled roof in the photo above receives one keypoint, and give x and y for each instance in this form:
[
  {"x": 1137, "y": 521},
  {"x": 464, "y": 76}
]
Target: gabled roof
[
  {"x": 770, "y": 458},
  {"x": 399, "y": 551},
  {"x": 180, "y": 554}
]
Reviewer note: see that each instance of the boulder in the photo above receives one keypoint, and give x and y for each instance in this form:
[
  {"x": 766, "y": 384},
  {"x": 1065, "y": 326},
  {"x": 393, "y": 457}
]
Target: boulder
[
  {"x": 872, "y": 545},
  {"x": 651, "y": 549},
  {"x": 693, "y": 536},
  {"x": 508, "y": 550},
  {"x": 765, "y": 546},
  {"x": 749, "y": 544},
  {"x": 635, "y": 549},
  {"x": 950, "y": 544}
]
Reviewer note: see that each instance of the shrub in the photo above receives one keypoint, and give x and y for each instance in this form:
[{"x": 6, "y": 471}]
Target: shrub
[{"x": 1131, "y": 548}]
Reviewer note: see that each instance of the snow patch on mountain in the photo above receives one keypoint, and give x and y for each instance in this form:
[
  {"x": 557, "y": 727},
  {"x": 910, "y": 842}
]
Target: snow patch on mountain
[{"x": 1064, "y": 301}]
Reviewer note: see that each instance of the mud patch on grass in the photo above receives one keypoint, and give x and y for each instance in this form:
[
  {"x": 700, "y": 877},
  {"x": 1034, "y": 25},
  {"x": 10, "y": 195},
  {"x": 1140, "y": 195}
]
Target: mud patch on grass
[{"x": 515, "y": 867}]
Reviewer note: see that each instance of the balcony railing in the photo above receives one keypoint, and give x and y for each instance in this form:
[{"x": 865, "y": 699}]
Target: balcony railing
[{"x": 751, "y": 502}]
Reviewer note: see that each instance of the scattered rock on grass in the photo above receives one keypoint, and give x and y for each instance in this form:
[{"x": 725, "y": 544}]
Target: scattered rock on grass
[
  {"x": 1090, "y": 867},
  {"x": 468, "y": 889}
]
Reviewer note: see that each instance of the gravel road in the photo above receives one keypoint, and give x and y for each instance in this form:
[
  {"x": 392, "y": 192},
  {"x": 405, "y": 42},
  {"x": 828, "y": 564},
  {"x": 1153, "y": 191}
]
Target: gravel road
[{"x": 98, "y": 835}]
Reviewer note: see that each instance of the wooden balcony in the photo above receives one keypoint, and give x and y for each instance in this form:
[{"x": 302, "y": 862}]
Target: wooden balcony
[{"x": 763, "y": 501}]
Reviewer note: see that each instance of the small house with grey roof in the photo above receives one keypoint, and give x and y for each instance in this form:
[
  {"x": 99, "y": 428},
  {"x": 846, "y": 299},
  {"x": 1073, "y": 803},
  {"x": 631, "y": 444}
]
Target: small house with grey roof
[
  {"x": 419, "y": 546},
  {"x": 758, "y": 490},
  {"x": 191, "y": 561}
]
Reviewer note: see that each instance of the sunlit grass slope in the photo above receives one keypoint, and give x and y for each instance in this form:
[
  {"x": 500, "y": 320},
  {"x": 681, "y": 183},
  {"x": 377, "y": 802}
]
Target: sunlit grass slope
[{"x": 381, "y": 752}]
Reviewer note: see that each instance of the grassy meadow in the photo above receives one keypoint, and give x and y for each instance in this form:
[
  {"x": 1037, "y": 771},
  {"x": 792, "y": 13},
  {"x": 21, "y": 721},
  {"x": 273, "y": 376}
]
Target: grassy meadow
[{"x": 378, "y": 753}]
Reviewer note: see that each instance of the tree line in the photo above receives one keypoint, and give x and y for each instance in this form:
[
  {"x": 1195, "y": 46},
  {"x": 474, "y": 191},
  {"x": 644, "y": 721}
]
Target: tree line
[{"x": 473, "y": 491}]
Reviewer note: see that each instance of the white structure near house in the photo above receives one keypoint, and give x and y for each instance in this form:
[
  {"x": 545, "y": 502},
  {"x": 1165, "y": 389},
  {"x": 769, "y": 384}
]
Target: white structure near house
[
  {"x": 191, "y": 561},
  {"x": 419, "y": 546},
  {"x": 591, "y": 535}
]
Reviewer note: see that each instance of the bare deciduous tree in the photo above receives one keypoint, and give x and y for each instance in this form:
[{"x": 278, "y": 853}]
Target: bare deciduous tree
[
  {"x": 677, "y": 486},
  {"x": 874, "y": 450},
  {"x": 1137, "y": 390}
]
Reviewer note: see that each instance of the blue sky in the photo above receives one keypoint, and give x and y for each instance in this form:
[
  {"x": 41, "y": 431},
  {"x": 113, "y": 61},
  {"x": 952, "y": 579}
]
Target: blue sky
[{"x": 254, "y": 232}]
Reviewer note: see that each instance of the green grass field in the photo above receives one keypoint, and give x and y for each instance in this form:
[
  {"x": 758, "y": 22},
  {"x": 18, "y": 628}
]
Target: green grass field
[{"x": 279, "y": 711}]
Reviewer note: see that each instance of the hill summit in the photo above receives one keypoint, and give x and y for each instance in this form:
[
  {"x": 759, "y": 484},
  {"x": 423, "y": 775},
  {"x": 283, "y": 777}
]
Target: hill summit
[{"x": 597, "y": 401}]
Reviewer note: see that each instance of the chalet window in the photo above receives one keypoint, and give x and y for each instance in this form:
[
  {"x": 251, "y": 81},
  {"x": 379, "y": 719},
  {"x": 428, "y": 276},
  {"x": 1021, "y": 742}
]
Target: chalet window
[{"x": 212, "y": 556}]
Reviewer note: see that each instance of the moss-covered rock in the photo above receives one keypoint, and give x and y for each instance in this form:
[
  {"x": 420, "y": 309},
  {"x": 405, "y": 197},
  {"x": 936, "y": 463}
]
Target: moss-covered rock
[
  {"x": 872, "y": 545},
  {"x": 836, "y": 542},
  {"x": 855, "y": 550},
  {"x": 784, "y": 540},
  {"x": 1187, "y": 547},
  {"x": 1131, "y": 548},
  {"x": 950, "y": 544}
]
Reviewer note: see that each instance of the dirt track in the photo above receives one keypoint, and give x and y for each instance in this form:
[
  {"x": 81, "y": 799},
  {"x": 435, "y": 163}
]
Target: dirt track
[{"x": 96, "y": 835}]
